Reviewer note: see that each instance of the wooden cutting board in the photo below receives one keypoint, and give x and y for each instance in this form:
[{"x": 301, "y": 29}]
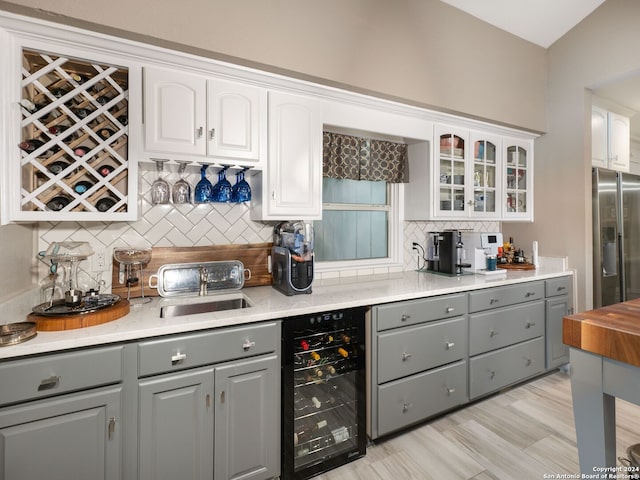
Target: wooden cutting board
[
  {"x": 517, "y": 266},
  {"x": 254, "y": 256},
  {"x": 81, "y": 320}
]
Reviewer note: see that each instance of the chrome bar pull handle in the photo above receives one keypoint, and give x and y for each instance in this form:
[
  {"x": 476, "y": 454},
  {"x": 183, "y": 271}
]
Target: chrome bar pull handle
[
  {"x": 212, "y": 133},
  {"x": 248, "y": 344},
  {"x": 112, "y": 427},
  {"x": 405, "y": 317},
  {"x": 406, "y": 356},
  {"x": 200, "y": 132},
  {"x": 178, "y": 358},
  {"x": 49, "y": 383},
  {"x": 450, "y": 345},
  {"x": 450, "y": 309}
]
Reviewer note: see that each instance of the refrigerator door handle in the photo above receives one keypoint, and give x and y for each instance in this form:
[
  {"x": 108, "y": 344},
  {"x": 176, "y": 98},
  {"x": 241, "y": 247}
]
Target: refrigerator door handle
[{"x": 622, "y": 279}]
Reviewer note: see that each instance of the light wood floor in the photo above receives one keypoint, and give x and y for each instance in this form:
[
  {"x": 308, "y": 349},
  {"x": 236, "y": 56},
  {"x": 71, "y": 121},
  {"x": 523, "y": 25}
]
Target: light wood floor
[{"x": 522, "y": 433}]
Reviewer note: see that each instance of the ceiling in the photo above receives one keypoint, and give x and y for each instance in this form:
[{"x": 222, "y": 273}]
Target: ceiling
[{"x": 539, "y": 21}]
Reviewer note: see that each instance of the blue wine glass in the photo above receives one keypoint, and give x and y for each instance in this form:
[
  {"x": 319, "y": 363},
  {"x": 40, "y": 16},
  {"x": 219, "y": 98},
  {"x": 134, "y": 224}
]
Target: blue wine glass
[
  {"x": 204, "y": 189},
  {"x": 222, "y": 190},
  {"x": 241, "y": 191}
]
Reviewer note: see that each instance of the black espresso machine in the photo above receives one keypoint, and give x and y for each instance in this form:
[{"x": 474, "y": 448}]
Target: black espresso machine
[
  {"x": 445, "y": 252},
  {"x": 292, "y": 257}
]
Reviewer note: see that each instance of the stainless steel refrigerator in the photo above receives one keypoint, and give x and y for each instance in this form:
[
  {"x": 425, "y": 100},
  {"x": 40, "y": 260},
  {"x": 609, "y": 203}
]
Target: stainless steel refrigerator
[{"x": 616, "y": 237}]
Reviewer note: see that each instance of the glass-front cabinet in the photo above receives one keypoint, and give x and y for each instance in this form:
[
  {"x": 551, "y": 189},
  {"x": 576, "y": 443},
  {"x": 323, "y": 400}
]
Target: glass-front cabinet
[
  {"x": 518, "y": 179},
  {"x": 69, "y": 158},
  {"x": 468, "y": 172},
  {"x": 484, "y": 166},
  {"x": 451, "y": 167}
]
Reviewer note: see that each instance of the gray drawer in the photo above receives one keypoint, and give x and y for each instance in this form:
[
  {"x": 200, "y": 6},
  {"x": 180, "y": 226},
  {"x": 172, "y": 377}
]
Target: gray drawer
[
  {"x": 505, "y": 326},
  {"x": 416, "y": 398},
  {"x": 495, "y": 370},
  {"x": 413, "y": 312},
  {"x": 406, "y": 351},
  {"x": 504, "y": 296},
  {"x": 187, "y": 351},
  {"x": 557, "y": 286},
  {"x": 60, "y": 373}
]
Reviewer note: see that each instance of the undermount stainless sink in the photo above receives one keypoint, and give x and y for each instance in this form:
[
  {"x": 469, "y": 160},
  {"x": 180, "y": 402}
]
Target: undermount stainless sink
[{"x": 204, "y": 307}]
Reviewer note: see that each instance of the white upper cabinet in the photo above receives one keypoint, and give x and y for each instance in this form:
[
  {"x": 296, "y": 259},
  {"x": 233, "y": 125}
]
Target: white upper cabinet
[
  {"x": 291, "y": 187},
  {"x": 517, "y": 197},
  {"x": 174, "y": 112},
  {"x": 610, "y": 139},
  {"x": 470, "y": 177},
  {"x": 201, "y": 118}
]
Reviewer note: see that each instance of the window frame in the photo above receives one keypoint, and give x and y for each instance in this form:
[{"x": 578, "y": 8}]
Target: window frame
[{"x": 394, "y": 260}]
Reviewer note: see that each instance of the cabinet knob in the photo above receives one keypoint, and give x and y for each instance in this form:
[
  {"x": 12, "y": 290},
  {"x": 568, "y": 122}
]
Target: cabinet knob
[
  {"x": 450, "y": 345},
  {"x": 406, "y": 356},
  {"x": 406, "y": 407},
  {"x": 200, "y": 132},
  {"x": 530, "y": 294},
  {"x": 561, "y": 288},
  {"x": 528, "y": 362},
  {"x": 178, "y": 358},
  {"x": 248, "y": 344},
  {"x": 405, "y": 317},
  {"x": 212, "y": 133},
  {"x": 492, "y": 333},
  {"x": 49, "y": 383},
  {"x": 492, "y": 374},
  {"x": 493, "y": 300}
]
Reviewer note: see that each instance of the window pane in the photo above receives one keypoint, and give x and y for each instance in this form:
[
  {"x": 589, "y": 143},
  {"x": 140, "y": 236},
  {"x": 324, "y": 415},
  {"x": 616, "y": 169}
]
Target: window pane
[
  {"x": 351, "y": 235},
  {"x": 353, "y": 191}
]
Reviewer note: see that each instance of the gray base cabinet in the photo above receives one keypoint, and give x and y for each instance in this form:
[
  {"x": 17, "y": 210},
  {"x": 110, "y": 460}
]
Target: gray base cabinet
[
  {"x": 247, "y": 432},
  {"x": 431, "y": 355},
  {"x": 176, "y": 426},
  {"x": 209, "y": 405},
  {"x": 59, "y": 420}
]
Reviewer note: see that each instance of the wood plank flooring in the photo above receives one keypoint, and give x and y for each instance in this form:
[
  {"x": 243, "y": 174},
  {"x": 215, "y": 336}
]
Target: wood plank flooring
[{"x": 522, "y": 433}]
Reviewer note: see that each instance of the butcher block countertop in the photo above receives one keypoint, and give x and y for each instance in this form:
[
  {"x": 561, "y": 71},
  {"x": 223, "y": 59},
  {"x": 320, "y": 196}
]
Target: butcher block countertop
[{"x": 612, "y": 331}]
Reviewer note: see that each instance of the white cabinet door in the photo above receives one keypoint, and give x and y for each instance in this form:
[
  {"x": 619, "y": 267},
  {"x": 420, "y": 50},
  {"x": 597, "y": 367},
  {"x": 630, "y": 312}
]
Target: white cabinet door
[
  {"x": 175, "y": 112},
  {"x": 484, "y": 175},
  {"x": 234, "y": 120},
  {"x": 451, "y": 153},
  {"x": 599, "y": 129},
  {"x": 619, "y": 142},
  {"x": 292, "y": 186},
  {"x": 517, "y": 183}
]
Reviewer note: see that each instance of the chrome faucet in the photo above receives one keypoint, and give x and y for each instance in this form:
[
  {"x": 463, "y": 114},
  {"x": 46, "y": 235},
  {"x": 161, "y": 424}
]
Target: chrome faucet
[{"x": 204, "y": 279}]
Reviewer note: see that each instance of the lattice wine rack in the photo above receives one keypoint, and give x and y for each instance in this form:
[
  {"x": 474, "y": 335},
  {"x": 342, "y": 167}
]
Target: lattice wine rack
[{"x": 74, "y": 135}]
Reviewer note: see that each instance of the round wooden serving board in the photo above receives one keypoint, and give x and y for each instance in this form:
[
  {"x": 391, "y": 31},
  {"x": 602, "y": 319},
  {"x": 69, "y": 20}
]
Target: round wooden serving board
[{"x": 81, "y": 320}]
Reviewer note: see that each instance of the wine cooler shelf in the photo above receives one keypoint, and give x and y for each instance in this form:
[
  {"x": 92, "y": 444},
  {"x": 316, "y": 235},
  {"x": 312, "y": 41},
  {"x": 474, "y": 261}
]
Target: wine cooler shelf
[{"x": 74, "y": 135}]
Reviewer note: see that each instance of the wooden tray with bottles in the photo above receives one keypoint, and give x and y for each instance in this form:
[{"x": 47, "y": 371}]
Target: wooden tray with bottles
[{"x": 517, "y": 266}]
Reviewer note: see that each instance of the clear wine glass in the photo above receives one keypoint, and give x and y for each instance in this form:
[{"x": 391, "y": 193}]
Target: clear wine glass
[
  {"x": 204, "y": 188},
  {"x": 241, "y": 191},
  {"x": 160, "y": 188},
  {"x": 181, "y": 191},
  {"x": 222, "y": 190}
]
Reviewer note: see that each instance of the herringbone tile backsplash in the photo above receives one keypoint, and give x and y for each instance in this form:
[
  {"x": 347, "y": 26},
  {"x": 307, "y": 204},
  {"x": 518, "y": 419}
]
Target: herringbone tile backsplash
[{"x": 199, "y": 225}]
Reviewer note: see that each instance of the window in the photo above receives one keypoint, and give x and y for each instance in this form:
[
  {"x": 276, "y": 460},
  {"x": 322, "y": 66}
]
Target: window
[{"x": 360, "y": 224}]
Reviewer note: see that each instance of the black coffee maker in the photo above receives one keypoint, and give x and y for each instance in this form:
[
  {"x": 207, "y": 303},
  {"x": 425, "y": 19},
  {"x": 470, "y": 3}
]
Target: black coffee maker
[
  {"x": 292, "y": 257},
  {"x": 445, "y": 252}
]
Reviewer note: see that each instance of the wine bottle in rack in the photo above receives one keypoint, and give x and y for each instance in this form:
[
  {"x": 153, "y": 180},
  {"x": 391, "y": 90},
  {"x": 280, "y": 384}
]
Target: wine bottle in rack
[
  {"x": 58, "y": 92},
  {"x": 82, "y": 186},
  {"x": 105, "y": 169},
  {"x": 81, "y": 112},
  {"x": 57, "y": 129},
  {"x": 343, "y": 352},
  {"x": 30, "y": 145},
  {"x": 58, "y": 203},
  {"x": 81, "y": 150},
  {"x": 123, "y": 119},
  {"x": 105, "y": 133},
  {"x": 345, "y": 338},
  {"x": 78, "y": 78},
  {"x": 105, "y": 204},
  {"x": 308, "y": 430}
]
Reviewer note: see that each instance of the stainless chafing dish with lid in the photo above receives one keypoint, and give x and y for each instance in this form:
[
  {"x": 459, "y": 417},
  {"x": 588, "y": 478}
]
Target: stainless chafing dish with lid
[{"x": 201, "y": 278}]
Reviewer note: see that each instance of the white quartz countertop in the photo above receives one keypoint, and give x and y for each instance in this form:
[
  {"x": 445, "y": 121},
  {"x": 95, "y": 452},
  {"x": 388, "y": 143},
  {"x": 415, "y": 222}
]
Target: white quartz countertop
[{"x": 267, "y": 304}]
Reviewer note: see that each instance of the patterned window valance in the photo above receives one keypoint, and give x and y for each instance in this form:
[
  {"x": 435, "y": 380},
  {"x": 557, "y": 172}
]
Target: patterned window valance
[{"x": 357, "y": 158}]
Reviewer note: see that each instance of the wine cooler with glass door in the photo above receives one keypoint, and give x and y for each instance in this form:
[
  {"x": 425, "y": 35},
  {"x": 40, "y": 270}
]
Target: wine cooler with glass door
[{"x": 323, "y": 392}]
